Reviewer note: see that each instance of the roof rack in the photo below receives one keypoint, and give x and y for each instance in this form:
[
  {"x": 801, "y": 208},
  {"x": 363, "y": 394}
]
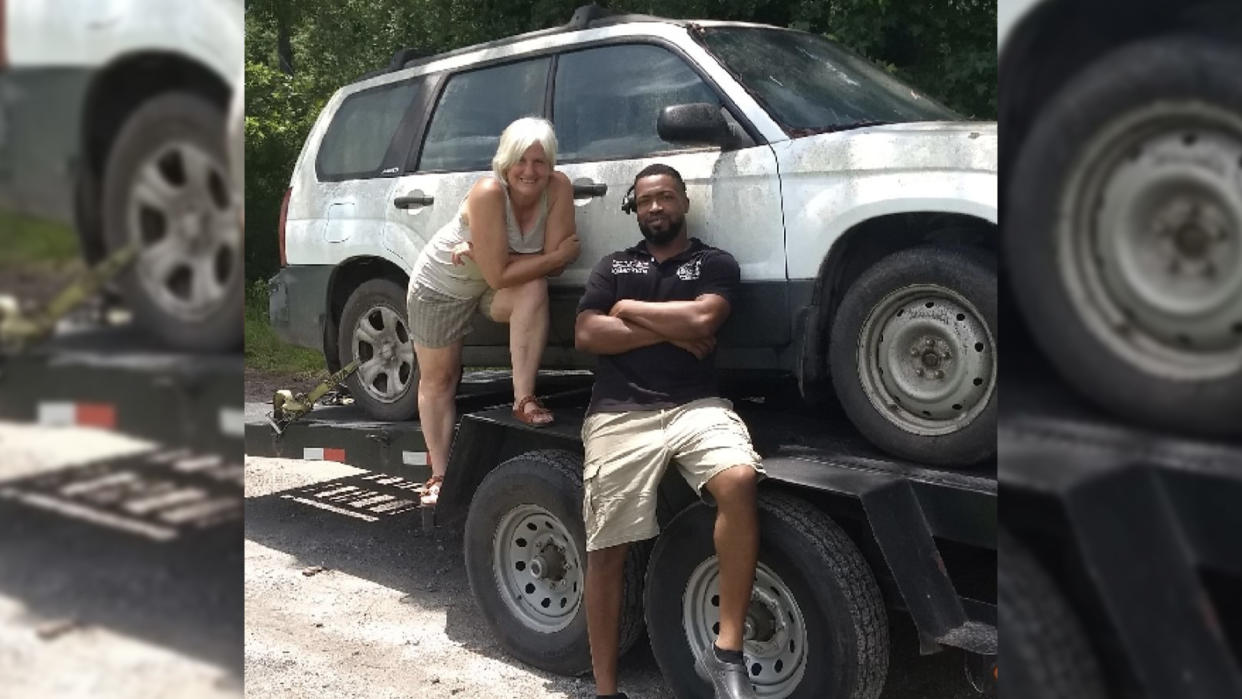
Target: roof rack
[{"x": 585, "y": 17}]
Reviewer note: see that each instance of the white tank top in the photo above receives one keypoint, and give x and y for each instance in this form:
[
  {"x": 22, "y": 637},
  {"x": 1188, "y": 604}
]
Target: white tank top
[{"x": 435, "y": 270}]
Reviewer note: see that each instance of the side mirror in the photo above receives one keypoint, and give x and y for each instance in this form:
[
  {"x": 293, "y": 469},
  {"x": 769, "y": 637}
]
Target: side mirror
[{"x": 697, "y": 124}]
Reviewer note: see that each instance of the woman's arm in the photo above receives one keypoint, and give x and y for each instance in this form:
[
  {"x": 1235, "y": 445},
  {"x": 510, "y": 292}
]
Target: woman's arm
[
  {"x": 485, "y": 213},
  {"x": 560, "y": 225}
]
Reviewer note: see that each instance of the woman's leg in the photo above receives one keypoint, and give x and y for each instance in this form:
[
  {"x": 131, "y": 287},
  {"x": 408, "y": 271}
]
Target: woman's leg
[
  {"x": 525, "y": 309},
  {"x": 438, "y": 370}
]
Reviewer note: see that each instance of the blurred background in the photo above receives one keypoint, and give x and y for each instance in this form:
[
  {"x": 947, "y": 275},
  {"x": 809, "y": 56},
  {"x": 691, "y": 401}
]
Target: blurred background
[
  {"x": 120, "y": 348},
  {"x": 1120, "y": 438}
]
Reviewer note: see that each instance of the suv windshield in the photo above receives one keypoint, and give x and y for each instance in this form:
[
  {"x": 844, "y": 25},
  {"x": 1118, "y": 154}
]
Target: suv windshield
[{"x": 811, "y": 85}]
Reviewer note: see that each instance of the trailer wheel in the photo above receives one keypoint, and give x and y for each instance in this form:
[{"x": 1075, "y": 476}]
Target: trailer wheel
[
  {"x": 166, "y": 190},
  {"x": 816, "y": 625},
  {"x": 525, "y": 550},
  {"x": 373, "y": 329},
  {"x": 1043, "y": 650},
  {"x": 1124, "y": 233},
  {"x": 913, "y": 355}
]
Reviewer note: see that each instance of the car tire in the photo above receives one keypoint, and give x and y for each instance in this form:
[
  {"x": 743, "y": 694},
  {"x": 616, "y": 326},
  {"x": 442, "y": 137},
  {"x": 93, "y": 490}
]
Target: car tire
[
  {"x": 166, "y": 189},
  {"x": 1043, "y": 650},
  {"x": 912, "y": 355},
  {"x": 373, "y": 329},
  {"x": 832, "y": 640},
  {"x": 529, "y": 508},
  {"x": 1128, "y": 279}
]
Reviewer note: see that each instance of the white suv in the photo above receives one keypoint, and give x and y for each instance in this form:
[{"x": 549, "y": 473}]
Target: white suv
[
  {"x": 112, "y": 117},
  {"x": 862, "y": 213}
]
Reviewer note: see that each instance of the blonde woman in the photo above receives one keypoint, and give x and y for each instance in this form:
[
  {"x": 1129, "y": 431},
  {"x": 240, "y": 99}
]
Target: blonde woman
[{"x": 514, "y": 229}]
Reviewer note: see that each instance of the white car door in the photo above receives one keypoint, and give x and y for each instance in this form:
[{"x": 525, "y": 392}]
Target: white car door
[{"x": 607, "y": 100}]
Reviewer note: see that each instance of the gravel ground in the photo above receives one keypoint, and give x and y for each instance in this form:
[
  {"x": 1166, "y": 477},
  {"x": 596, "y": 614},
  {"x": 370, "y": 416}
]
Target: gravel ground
[{"x": 88, "y": 609}]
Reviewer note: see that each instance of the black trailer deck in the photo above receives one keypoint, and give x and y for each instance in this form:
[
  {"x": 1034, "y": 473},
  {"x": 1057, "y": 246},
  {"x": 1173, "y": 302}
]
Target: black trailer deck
[
  {"x": 1138, "y": 527},
  {"x": 922, "y": 519},
  {"x": 110, "y": 377}
]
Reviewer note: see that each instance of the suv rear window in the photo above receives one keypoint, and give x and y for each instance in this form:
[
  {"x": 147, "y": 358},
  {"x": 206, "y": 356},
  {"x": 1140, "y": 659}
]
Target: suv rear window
[
  {"x": 361, "y": 131},
  {"x": 475, "y": 108}
]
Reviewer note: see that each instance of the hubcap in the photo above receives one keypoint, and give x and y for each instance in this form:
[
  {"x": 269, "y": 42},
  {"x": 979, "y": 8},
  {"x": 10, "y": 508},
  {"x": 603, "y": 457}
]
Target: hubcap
[
  {"x": 1151, "y": 239},
  {"x": 537, "y": 570},
  {"x": 775, "y": 632},
  {"x": 382, "y": 344},
  {"x": 182, "y": 217},
  {"x": 927, "y": 360}
]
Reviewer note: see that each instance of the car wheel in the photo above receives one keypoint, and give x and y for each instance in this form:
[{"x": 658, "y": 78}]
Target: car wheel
[
  {"x": 525, "y": 551},
  {"x": 1124, "y": 233},
  {"x": 816, "y": 626},
  {"x": 166, "y": 190},
  {"x": 912, "y": 355},
  {"x": 373, "y": 330},
  {"x": 1043, "y": 650}
]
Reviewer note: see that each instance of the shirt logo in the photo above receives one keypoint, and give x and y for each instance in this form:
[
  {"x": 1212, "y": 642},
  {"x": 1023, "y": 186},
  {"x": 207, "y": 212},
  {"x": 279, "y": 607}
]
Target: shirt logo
[
  {"x": 690, "y": 271},
  {"x": 630, "y": 266}
]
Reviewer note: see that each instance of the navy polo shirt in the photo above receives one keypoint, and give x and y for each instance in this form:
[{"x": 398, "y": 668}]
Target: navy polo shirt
[{"x": 661, "y": 375}]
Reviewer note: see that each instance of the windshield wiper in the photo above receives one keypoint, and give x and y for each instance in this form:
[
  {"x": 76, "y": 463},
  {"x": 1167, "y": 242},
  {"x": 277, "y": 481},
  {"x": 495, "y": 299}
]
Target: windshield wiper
[{"x": 811, "y": 131}]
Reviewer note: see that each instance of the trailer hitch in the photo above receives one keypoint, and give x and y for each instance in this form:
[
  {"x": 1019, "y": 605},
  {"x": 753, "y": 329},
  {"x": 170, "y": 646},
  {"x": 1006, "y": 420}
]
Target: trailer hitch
[{"x": 288, "y": 406}]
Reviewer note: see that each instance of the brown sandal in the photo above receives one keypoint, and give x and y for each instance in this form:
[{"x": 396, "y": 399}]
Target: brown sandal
[
  {"x": 431, "y": 491},
  {"x": 538, "y": 417}
]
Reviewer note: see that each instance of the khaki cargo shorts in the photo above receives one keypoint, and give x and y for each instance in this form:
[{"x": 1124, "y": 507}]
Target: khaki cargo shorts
[
  {"x": 627, "y": 454},
  {"x": 439, "y": 320}
]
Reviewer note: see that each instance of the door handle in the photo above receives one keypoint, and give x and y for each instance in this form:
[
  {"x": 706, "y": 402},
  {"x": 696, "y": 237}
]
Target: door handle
[
  {"x": 411, "y": 201},
  {"x": 588, "y": 189}
]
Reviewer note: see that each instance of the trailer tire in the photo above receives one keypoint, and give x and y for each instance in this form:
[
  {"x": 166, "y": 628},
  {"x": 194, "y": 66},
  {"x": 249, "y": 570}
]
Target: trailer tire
[
  {"x": 378, "y": 305},
  {"x": 1043, "y": 649},
  {"x": 1120, "y": 260},
  {"x": 912, "y": 355},
  {"x": 543, "y": 490},
  {"x": 166, "y": 190},
  {"x": 810, "y": 575}
]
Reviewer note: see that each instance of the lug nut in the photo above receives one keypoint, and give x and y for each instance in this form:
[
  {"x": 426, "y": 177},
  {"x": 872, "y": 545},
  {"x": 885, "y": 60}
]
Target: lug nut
[
  {"x": 931, "y": 342},
  {"x": 939, "y": 374},
  {"x": 918, "y": 372}
]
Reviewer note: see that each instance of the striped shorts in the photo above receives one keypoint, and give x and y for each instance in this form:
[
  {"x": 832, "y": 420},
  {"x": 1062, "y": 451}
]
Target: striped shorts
[{"x": 438, "y": 320}]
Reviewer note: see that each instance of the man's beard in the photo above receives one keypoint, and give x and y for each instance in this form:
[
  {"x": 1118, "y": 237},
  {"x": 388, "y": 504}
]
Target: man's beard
[{"x": 675, "y": 227}]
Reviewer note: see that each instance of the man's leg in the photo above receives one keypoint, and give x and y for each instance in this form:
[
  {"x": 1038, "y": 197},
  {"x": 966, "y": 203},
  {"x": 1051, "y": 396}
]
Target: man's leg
[
  {"x": 736, "y": 536},
  {"x": 604, "y": 586}
]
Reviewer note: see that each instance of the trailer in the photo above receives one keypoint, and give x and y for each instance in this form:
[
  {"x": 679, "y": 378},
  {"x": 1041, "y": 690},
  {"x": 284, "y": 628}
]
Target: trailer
[
  {"x": 92, "y": 374},
  {"x": 1119, "y": 558},
  {"x": 848, "y": 535}
]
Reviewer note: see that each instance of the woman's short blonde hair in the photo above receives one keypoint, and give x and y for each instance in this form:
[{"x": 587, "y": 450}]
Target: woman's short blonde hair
[{"x": 519, "y": 136}]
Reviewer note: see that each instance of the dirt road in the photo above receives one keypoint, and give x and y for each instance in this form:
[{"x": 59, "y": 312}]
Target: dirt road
[{"x": 98, "y": 596}]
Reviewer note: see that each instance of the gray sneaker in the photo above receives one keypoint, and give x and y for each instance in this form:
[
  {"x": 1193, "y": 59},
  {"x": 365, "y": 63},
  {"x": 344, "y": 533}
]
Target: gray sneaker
[{"x": 728, "y": 680}]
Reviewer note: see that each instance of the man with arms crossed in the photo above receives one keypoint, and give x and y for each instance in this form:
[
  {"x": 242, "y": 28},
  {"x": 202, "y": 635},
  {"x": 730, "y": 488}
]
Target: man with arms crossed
[{"x": 651, "y": 314}]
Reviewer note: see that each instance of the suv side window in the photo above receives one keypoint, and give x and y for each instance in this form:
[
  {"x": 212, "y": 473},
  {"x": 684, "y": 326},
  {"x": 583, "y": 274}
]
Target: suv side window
[
  {"x": 608, "y": 98},
  {"x": 362, "y": 130},
  {"x": 475, "y": 108}
]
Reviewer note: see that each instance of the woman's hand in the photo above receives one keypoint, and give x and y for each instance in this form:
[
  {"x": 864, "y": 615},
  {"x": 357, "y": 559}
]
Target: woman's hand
[{"x": 462, "y": 251}]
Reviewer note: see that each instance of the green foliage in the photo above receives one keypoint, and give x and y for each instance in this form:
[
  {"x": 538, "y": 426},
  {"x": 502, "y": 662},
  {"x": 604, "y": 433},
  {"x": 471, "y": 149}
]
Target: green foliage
[
  {"x": 26, "y": 239},
  {"x": 945, "y": 47},
  {"x": 264, "y": 350}
]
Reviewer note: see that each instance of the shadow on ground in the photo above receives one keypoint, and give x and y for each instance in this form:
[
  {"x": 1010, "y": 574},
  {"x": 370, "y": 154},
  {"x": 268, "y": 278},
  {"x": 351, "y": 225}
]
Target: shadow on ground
[{"x": 148, "y": 546}]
